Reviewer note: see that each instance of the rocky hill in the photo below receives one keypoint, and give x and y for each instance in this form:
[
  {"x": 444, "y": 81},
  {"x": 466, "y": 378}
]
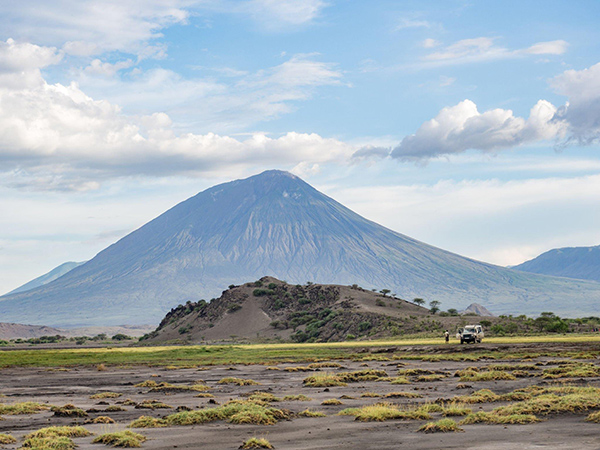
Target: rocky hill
[
  {"x": 572, "y": 262},
  {"x": 272, "y": 309},
  {"x": 276, "y": 224}
]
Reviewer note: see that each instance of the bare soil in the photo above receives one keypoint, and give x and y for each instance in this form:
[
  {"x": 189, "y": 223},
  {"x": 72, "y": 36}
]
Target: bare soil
[{"x": 76, "y": 385}]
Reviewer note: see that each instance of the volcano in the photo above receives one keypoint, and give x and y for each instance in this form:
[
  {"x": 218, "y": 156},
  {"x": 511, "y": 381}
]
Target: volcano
[{"x": 275, "y": 224}]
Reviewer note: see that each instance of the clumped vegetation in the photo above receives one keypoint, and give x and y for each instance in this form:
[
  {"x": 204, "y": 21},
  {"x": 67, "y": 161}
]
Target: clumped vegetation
[
  {"x": 126, "y": 439},
  {"x": 68, "y": 410},
  {"x": 331, "y": 402},
  {"x": 441, "y": 426},
  {"x": 148, "y": 422},
  {"x": 238, "y": 381},
  {"x": 234, "y": 411},
  {"x": 152, "y": 404},
  {"x": 386, "y": 411},
  {"x": 492, "y": 418},
  {"x": 343, "y": 378},
  {"x": 254, "y": 443},
  {"x": 103, "y": 419},
  {"x": 310, "y": 413},
  {"x": 296, "y": 398},
  {"x": 105, "y": 395},
  {"x": 21, "y": 408},
  {"x": 6, "y": 439},
  {"x": 54, "y": 438}
]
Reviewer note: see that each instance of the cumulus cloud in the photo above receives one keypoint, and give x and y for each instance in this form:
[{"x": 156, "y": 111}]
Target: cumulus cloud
[
  {"x": 54, "y": 133},
  {"x": 98, "y": 67},
  {"x": 582, "y": 111},
  {"x": 462, "y": 127}
]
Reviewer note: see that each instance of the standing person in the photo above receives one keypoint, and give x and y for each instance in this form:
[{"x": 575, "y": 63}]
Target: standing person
[{"x": 447, "y": 336}]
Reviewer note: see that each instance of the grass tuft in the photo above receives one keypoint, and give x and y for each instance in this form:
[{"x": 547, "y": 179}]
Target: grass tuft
[
  {"x": 6, "y": 439},
  {"x": 105, "y": 395},
  {"x": 148, "y": 422},
  {"x": 309, "y": 413},
  {"x": 127, "y": 439},
  {"x": 237, "y": 381},
  {"x": 296, "y": 398},
  {"x": 103, "y": 419},
  {"x": 494, "y": 418},
  {"x": 441, "y": 426},
  {"x": 254, "y": 442},
  {"x": 331, "y": 402},
  {"x": 22, "y": 408},
  {"x": 68, "y": 410}
]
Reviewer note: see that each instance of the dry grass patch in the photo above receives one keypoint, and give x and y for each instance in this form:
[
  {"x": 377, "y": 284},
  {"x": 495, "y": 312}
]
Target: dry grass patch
[
  {"x": 103, "y": 419},
  {"x": 204, "y": 395},
  {"x": 456, "y": 409},
  {"x": 68, "y": 410},
  {"x": 296, "y": 398},
  {"x": 491, "y": 375},
  {"x": 441, "y": 426},
  {"x": 105, "y": 395},
  {"x": 322, "y": 365},
  {"x": 126, "y": 439},
  {"x": 324, "y": 380},
  {"x": 6, "y": 439},
  {"x": 272, "y": 368},
  {"x": 594, "y": 417},
  {"x": 234, "y": 411},
  {"x": 152, "y": 404},
  {"x": 481, "y": 396},
  {"x": 264, "y": 397},
  {"x": 331, "y": 402},
  {"x": 402, "y": 395},
  {"x": 492, "y": 418},
  {"x": 399, "y": 380},
  {"x": 577, "y": 370},
  {"x": 71, "y": 432},
  {"x": 310, "y": 413},
  {"x": 370, "y": 394},
  {"x": 238, "y": 381},
  {"x": 380, "y": 412},
  {"x": 429, "y": 378},
  {"x": 148, "y": 422},
  {"x": 21, "y": 408},
  {"x": 49, "y": 443},
  {"x": 254, "y": 442}
]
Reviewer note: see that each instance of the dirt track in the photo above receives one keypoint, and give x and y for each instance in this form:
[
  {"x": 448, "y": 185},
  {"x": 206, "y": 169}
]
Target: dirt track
[{"x": 565, "y": 431}]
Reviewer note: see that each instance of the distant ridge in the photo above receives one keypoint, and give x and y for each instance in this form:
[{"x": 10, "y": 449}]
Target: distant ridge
[
  {"x": 55, "y": 273},
  {"x": 572, "y": 262},
  {"x": 478, "y": 309},
  {"x": 276, "y": 224}
]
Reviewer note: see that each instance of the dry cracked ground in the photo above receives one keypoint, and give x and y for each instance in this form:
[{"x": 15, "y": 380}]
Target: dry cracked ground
[{"x": 375, "y": 401}]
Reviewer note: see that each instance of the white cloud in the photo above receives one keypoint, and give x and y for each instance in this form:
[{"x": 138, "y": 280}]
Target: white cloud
[
  {"x": 412, "y": 23},
  {"x": 582, "y": 111},
  {"x": 548, "y": 48},
  {"x": 58, "y": 137},
  {"x": 22, "y": 57},
  {"x": 98, "y": 67},
  {"x": 484, "y": 49},
  {"x": 87, "y": 28},
  {"x": 278, "y": 14},
  {"x": 227, "y": 105},
  {"x": 462, "y": 127},
  {"x": 430, "y": 43}
]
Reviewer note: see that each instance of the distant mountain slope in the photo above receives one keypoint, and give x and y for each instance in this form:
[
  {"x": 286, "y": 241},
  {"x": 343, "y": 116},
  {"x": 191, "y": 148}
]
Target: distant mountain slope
[
  {"x": 55, "y": 273},
  {"x": 276, "y": 224},
  {"x": 572, "y": 262}
]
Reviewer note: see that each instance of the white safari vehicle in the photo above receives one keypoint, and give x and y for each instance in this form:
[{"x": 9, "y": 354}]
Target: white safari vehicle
[{"x": 470, "y": 333}]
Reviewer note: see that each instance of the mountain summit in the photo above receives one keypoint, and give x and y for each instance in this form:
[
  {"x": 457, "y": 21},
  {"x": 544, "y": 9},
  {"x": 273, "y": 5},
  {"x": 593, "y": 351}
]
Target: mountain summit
[
  {"x": 275, "y": 224},
  {"x": 571, "y": 262}
]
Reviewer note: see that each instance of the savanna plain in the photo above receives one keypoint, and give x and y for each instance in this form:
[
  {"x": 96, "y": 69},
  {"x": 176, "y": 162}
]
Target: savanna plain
[{"x": 503, "y": 393}]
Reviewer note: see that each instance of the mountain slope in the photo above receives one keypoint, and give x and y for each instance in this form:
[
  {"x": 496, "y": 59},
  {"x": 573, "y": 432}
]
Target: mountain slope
[
  {"x": 276, "y": 224},
  {"x": 572, "y": 262},
  {"x": 55, "y": 273},
  {"x": 272, "y": 309}
]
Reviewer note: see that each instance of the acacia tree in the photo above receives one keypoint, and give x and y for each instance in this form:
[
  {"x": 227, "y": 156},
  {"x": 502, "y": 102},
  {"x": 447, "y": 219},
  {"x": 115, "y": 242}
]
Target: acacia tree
[
  {"x": 385, "y": 292},
  {"x": 419, "y": 301},
  {"x": 434, "y": 306}
]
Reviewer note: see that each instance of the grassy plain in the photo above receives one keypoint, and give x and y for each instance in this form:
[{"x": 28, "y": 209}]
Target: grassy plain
[{"x": 203, "y": 355}]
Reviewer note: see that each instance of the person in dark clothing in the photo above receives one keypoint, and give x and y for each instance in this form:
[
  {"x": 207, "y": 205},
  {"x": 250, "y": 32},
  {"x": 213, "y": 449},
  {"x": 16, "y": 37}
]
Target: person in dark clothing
[{"x": 447, "y": 336}]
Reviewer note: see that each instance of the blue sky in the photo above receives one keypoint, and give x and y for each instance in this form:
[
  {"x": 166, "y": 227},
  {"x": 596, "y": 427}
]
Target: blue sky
[{"x": 472, "y": 126}]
